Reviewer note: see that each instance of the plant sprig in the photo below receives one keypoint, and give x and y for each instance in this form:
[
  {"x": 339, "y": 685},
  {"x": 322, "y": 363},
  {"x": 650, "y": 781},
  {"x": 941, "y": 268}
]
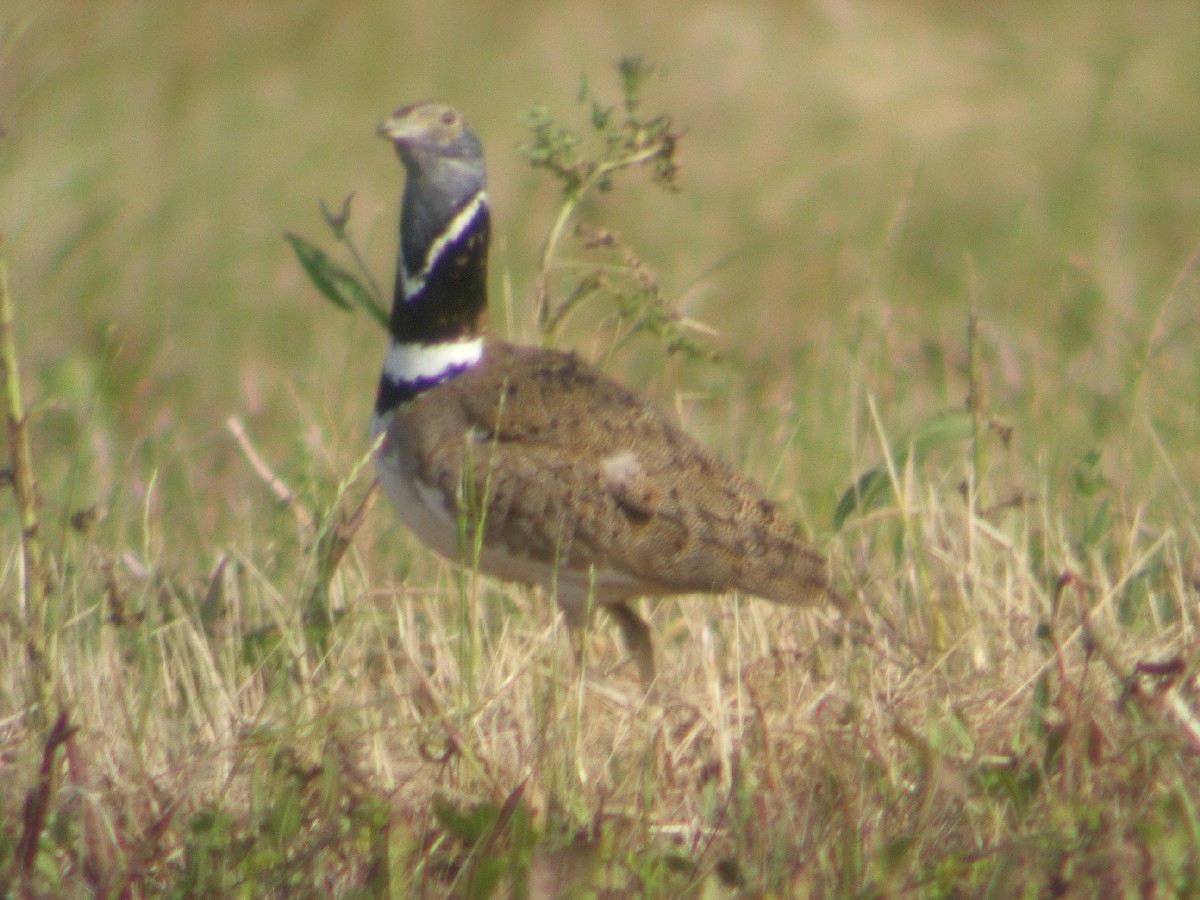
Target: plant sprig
[
  {"x": 628, "y": 138},
  {"x": 343, "y": 288}
]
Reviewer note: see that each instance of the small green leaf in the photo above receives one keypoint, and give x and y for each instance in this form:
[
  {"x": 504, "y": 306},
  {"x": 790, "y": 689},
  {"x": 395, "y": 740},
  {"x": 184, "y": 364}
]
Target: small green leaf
[
  {"x": 328, "y": 277},
  {"x": 896, "y": 852},
  {"x": 337, "y": 221},
  {"x": 471, "y": 825},
  {"x": 873, "y": 485},
  {"x": 339, "y": 287},
  {"x": 863, "y": 495}
]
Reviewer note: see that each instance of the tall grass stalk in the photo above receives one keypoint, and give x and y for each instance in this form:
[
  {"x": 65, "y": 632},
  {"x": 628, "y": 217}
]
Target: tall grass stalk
[{"x": 41, "y": 655}]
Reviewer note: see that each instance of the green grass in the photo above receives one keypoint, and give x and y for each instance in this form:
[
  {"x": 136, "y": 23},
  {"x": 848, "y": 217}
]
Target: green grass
[{"x": 1009, "y": 709}]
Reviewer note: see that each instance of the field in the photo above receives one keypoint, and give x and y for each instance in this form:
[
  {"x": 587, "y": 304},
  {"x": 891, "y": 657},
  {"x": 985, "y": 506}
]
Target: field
[{"x": 938, "y": 268}]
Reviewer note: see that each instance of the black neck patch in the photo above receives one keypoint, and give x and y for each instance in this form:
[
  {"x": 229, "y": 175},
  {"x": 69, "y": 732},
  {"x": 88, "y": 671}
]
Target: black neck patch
[{"x": 449, "y": 298}]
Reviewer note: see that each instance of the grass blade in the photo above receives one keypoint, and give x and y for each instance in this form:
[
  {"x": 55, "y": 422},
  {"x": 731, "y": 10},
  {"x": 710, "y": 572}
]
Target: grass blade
[{"x": 871, "y": 486}]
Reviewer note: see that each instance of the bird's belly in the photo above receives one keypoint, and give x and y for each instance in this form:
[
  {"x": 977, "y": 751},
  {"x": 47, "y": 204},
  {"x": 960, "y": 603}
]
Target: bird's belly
[
  {"x": 424, "y": 510},
  {"x": 420, "y": 508}
]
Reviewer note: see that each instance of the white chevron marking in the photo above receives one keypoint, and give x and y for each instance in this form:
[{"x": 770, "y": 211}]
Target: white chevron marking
[{"x": 414, "y": 284}]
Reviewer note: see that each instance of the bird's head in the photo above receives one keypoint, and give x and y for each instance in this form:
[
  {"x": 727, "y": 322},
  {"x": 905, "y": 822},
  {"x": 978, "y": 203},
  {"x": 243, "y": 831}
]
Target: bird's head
[
  {"x": 433, "y": 141},
  {"x": 446, "y": 179}
]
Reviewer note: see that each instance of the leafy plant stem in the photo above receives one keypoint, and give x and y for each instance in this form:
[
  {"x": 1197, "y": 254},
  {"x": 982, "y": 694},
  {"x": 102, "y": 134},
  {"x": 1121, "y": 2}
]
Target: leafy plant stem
[
  {"x": 376, "y": 293},
  {"x": 546, "y": 323},
  {"x": 35, "y": 584}
]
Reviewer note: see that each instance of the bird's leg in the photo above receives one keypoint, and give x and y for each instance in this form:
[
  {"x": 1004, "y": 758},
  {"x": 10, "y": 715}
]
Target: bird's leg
[{"x": 635, "y": 634}]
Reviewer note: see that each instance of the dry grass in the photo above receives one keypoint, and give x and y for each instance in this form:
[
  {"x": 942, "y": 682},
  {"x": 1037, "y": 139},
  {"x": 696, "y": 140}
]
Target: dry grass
[{"x": 1008, "y": 710}]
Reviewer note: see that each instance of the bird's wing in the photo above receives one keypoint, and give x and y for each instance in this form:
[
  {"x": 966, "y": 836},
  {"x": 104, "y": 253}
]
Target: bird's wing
[{"x": 566, "y": 466}]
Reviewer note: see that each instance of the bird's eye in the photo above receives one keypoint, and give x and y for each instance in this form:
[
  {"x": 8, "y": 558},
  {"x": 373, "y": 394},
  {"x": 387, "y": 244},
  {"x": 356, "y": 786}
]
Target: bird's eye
[{"x": 448, "y": 117}]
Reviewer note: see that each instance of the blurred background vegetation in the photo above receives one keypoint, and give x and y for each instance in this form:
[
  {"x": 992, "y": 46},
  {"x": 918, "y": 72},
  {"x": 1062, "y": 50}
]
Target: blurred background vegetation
[{"x": 855, "y": 176}]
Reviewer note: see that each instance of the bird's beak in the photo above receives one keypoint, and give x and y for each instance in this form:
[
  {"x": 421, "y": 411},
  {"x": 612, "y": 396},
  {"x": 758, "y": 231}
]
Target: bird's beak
[{"x": 398, "y": 125}]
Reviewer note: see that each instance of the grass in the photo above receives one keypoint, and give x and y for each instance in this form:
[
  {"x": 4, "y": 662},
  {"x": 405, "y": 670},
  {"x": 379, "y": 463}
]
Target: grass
[{"x": 1008, "y": 710}]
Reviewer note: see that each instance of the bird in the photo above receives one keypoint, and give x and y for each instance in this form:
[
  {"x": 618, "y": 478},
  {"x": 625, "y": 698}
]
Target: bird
[{"x": 530, "y": 463}]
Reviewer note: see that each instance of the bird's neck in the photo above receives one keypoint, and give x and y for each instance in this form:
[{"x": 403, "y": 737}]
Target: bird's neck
[{"x": 436, "y": 326}]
